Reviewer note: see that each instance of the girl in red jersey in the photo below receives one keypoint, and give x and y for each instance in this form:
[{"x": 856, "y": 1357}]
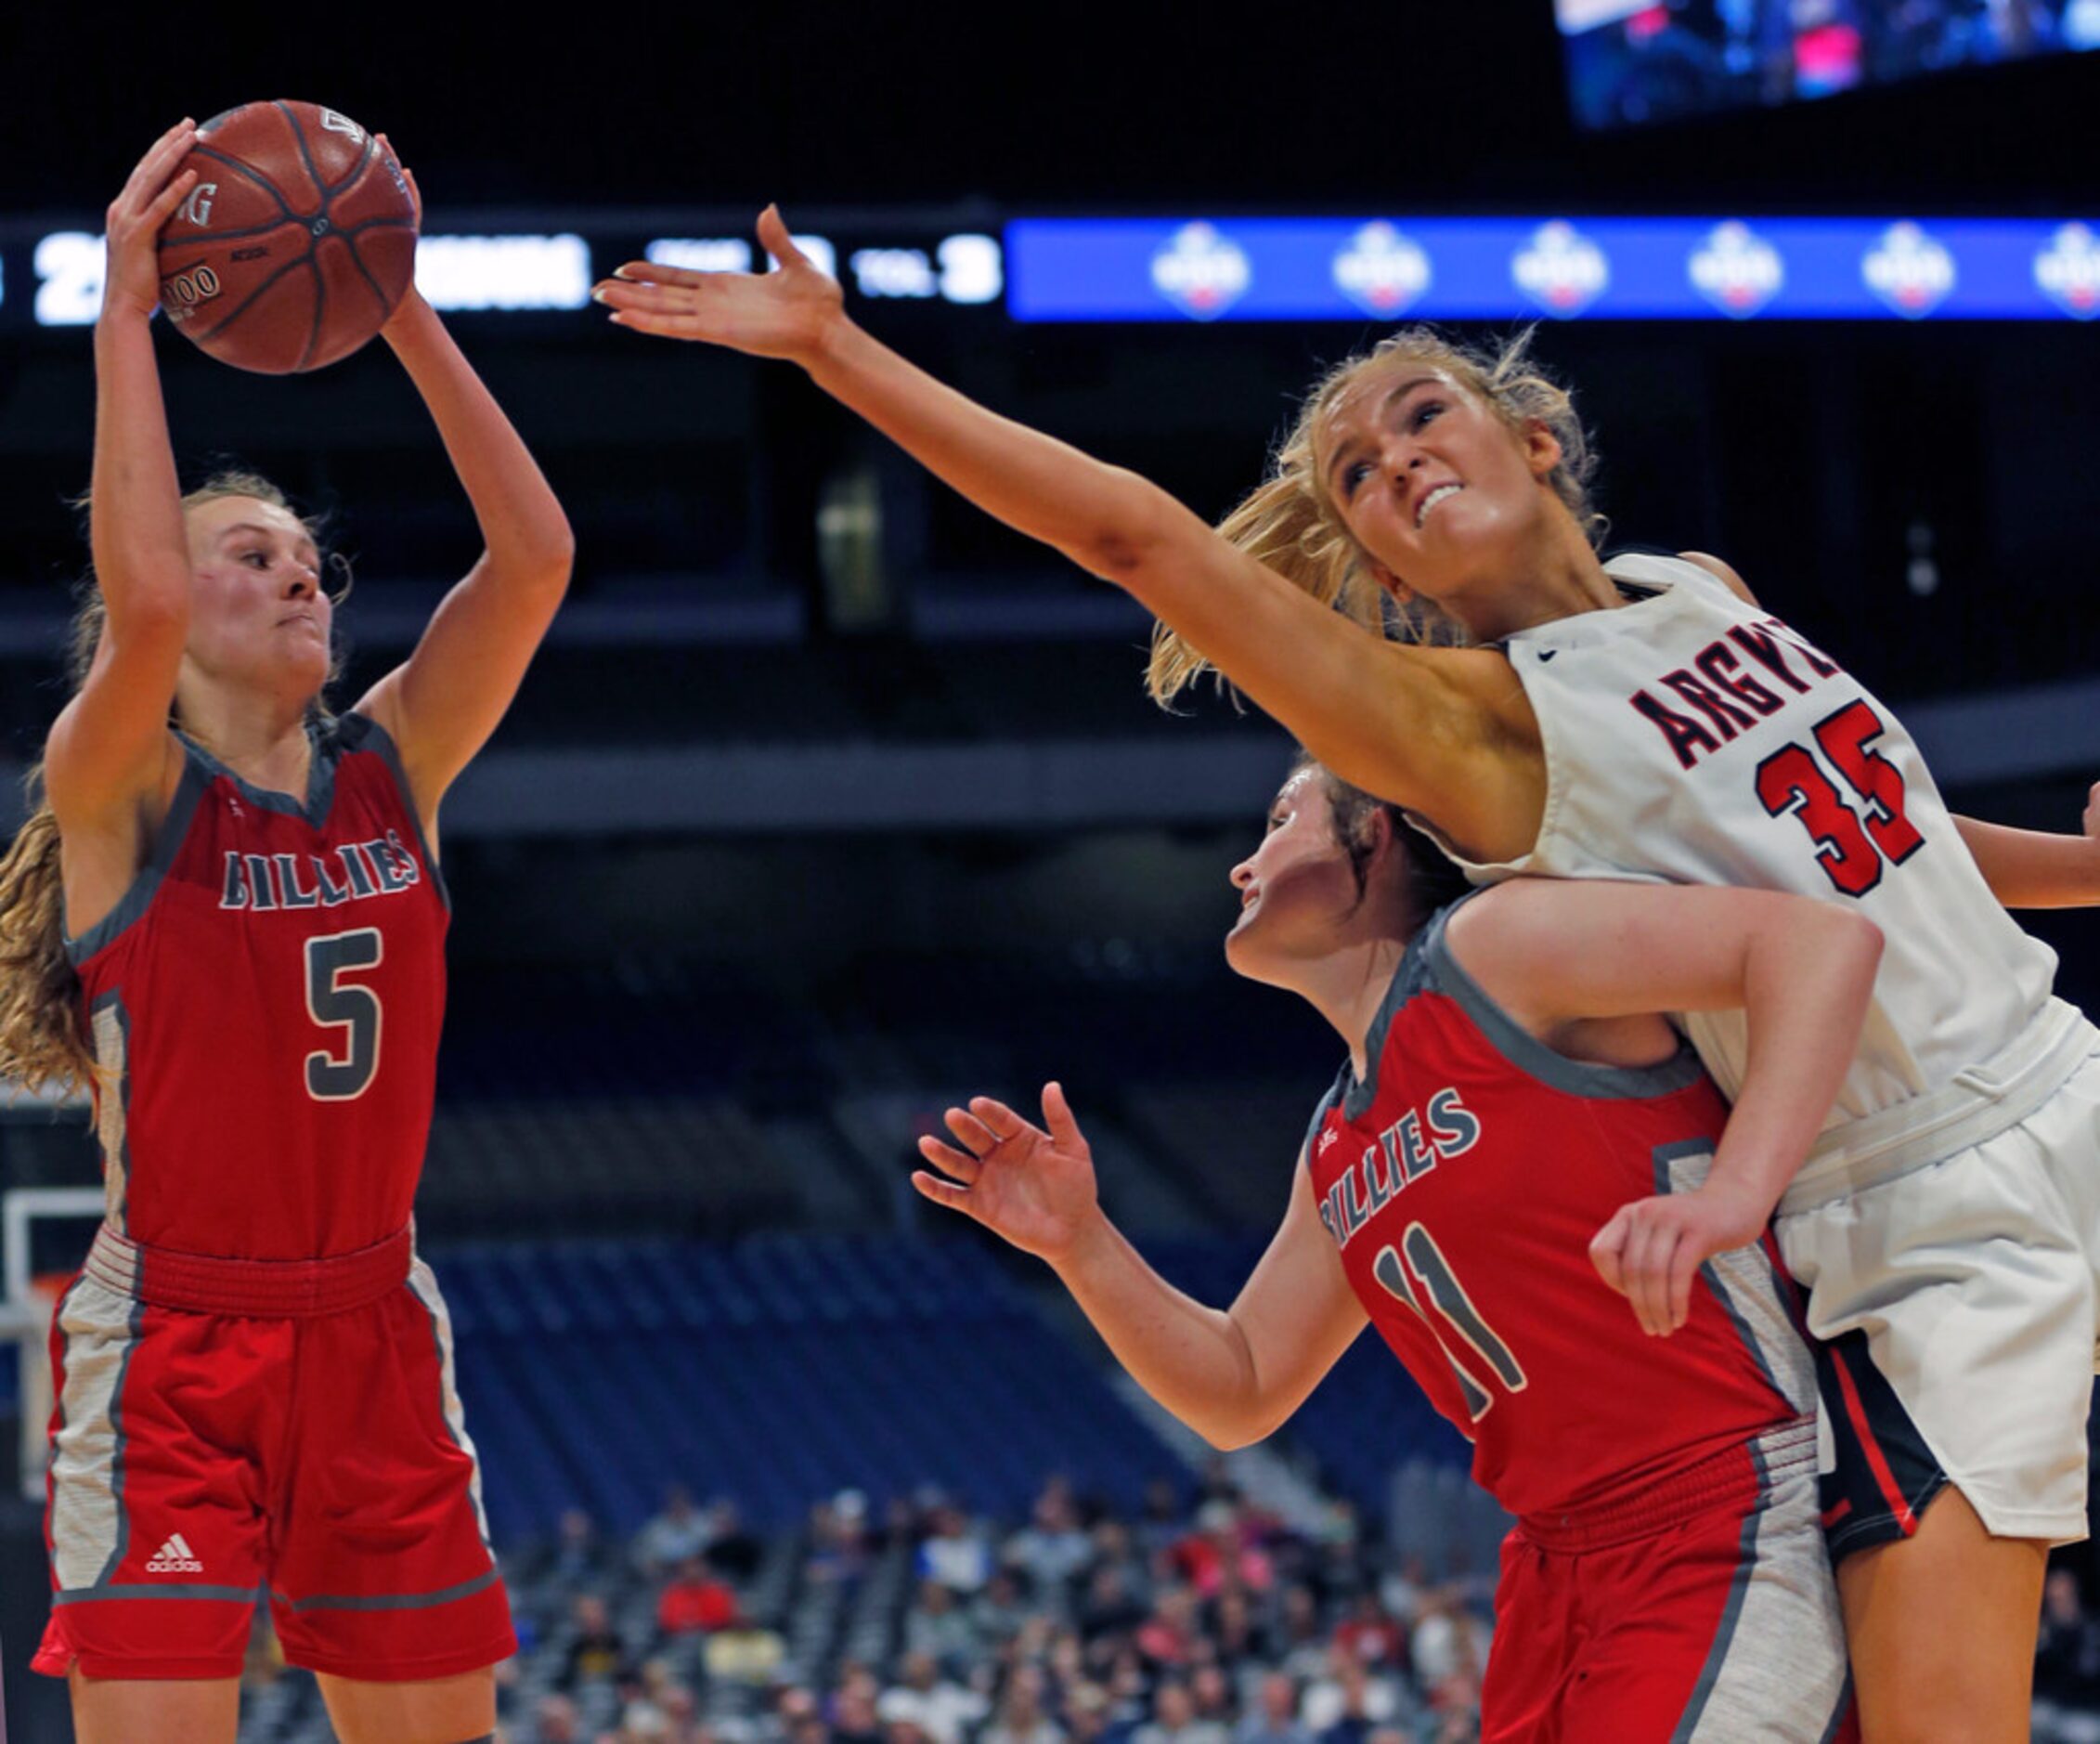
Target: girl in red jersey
[
  {"x": 1509, "y": 1090},
  {"x": 229, "y": 919},
  {"x": 1644, "y": 718}
]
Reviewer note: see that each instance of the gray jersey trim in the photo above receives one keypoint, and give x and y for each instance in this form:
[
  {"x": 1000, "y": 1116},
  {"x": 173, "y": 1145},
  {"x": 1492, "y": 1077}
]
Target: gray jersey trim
[
  {"x": 167, "y": 843},
  {"x": 1531, "y": 1056},
  {"x": 1732, "y": 1614},
  {"x": 1308, "y": 1151},
  {"x": 391, "y": 1601},
  {"x": 169, "y": 1590},
  {"x": 1410, "y": 978},
  {"x": 361, "y": 732},
  {"x": 109, "y": 1027},
  {"x": 326, "y": 748},
  {"x": 1747, "y": 1284}
]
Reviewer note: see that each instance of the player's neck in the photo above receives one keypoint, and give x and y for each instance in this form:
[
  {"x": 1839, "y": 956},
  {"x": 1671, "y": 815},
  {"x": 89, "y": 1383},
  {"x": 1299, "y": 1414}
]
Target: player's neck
[
  {"x": 1562, "y": 578},
  {"x": 262, "y": 740},
  {"x": 1348, "y": 986}
]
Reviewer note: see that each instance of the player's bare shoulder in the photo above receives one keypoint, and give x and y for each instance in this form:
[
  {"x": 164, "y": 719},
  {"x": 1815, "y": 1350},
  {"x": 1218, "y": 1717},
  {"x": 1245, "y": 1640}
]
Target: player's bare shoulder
[{"x": 105, "y": 840}]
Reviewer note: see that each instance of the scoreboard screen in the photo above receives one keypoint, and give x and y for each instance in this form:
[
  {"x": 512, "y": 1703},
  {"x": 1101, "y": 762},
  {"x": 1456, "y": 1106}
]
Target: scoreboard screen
[{"x": 1630, "y": 62}]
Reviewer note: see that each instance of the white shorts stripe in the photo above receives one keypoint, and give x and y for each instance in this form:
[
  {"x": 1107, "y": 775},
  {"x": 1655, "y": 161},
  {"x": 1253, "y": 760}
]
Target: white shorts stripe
[
  {"x": 1778, "y": 1668},
  {"x": 89, "y": 1528},
  {"x": 423, "y": 1282}
]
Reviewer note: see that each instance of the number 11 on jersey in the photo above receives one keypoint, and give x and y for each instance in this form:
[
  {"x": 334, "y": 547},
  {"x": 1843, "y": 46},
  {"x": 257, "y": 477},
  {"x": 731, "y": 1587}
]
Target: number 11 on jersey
[{"x": 1455, "y": 1309}]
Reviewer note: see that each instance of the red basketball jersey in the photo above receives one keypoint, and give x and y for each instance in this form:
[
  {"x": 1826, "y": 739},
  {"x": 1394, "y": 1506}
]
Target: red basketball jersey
[
  {"x": 1463, "y": 1186},
  {"x": 265, "y": 1001}
]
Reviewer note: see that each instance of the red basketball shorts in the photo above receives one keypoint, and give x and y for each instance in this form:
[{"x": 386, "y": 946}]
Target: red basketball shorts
[
  {"x": 204, "y": 1460},
  {"x": 1704, "y": 1610}
]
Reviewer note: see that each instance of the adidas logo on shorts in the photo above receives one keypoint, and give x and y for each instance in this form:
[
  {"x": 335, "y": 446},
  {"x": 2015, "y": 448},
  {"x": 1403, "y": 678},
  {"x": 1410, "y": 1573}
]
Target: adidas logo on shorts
[{"x": 174, "y": 1557}]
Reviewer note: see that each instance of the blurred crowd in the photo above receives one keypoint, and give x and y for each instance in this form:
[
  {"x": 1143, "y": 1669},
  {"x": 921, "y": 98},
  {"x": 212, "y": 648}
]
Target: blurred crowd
[
  {"x": 1196, "y": 1621},
  {"x": 1200, "y": 1618}
]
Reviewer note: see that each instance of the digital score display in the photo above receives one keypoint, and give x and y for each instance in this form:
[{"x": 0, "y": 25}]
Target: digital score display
[
  {"x": 1353, "y": 270},
  {"x": 1449, "y": 268},
  {"x": 53, "y": 277}
]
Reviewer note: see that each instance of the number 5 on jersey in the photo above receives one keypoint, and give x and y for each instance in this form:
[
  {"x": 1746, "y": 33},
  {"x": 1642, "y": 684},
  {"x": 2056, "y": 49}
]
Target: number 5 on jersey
[{"x": 343, "y": 1070}]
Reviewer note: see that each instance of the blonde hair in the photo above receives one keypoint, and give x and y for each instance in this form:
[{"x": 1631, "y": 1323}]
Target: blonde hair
[
  {"x": 42, "y": 1040},
  {"x": 1290, "y": 523}
]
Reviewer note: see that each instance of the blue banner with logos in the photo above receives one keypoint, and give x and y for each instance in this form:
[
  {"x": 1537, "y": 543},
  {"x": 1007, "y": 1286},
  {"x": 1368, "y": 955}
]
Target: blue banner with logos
[{"x": 1299, "y": 269}]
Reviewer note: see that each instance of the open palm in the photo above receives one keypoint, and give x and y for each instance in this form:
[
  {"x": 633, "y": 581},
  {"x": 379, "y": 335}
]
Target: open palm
[
  {"x": 1033, "y": 1185},
  {"x": 780, "y": 314}
]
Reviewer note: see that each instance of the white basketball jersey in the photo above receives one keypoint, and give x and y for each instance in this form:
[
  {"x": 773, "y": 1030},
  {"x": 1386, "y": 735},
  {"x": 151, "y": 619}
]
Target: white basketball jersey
[{"x": 1694, "y": 738}]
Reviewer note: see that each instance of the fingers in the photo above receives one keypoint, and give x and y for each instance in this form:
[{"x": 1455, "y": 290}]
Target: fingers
[
  {"x": 959, "y": 1165},
  {"x": 408, "y": 174},
  {"x": 166, "y": 149},
  {"x": 152, "y": 171},
  {"x": 773, "y": 238},
  {"x": 1001, "y": 1120},
  {"x": 663, "y": 326},
  {"x": 942, "y": 1192},
  {"x": 1648, "y": 1271},
  {"x": 653, "y": 299},
  {"x": 1607, "y": 1249},
  {"x": 171, "y": 196},
  {"x": 654, "y": 272},
  {"x": 1647, "y": 1257},
  {"x": 1057, "y": 1117},
  {"x": 1684, "y": 1267},
  {"x": 976, "y": 1136}
]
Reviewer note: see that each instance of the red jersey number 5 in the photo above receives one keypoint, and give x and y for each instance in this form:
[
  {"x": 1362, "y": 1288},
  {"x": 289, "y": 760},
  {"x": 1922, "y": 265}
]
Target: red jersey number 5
[{"x": 342, "y": 1069}]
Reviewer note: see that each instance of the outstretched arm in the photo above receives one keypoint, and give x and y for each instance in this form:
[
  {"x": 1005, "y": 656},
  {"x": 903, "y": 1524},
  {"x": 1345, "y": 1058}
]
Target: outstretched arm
[
  {"x": 1432, "y": 729},
  {"x": 2033, "y": 868},
  {"x": 1232, "y": 1375},
  {"x": 109, "y": 744},
  {"x": 1558, "y": 955},
  {"x": 444, "y": 701}
]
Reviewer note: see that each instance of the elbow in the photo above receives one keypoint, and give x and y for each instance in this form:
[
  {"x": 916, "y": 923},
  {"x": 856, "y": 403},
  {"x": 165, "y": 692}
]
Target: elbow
[
  {"x": 544, "y": 570},
  {"x": 1228, "y": 1431},
  {"x": 1128, "y": 533},
  {"x": 1854, "y": 941},
  {"x": 1863, "y": 937},
  {"x": 1221, "y": 1436},
  {"x": 554, "y": 556},
  {"x": 149, "y": 612}
]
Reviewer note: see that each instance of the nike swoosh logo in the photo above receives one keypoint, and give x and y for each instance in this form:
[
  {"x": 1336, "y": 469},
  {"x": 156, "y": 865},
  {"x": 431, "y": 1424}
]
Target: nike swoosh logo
[{"x": 1547, "y": 654}]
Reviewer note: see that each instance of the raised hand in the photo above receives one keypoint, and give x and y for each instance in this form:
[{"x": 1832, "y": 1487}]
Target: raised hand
[
  {"x": 1652, "y": 1250},
  {"x": 412, "y": 306},
  {"x": 782, "y": 314},
  {"x": 131, "y": 283},
  {"x": 1033, "y": 1185},
  {"x": 408, "y": 174}
]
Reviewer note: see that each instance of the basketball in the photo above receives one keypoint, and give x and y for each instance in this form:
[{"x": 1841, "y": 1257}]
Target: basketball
[{"x": 295, "y": 243}]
